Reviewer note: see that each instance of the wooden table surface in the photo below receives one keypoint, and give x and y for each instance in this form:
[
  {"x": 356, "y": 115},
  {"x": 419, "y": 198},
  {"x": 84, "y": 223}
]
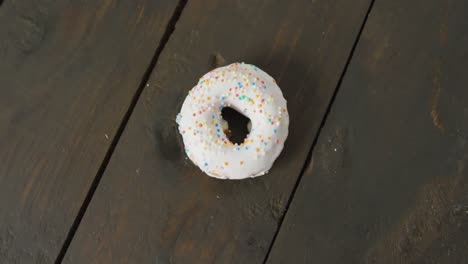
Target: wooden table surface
[{"x": 374, "y": 170}]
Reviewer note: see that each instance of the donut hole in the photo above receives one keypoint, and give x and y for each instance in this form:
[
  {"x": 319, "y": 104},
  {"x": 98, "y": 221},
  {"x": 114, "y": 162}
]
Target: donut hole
[{"x": 238, "y": 127}]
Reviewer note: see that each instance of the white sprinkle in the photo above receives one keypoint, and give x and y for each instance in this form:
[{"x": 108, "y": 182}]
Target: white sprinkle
[
  {"x": 334, "y": 149},
  {"x": 106, "y": 136}
]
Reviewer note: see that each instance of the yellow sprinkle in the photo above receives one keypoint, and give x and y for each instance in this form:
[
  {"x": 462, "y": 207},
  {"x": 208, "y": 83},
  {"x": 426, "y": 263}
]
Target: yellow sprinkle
[
  {"x": 241, "y": 163},
  {"x": 226, "y": 163}
]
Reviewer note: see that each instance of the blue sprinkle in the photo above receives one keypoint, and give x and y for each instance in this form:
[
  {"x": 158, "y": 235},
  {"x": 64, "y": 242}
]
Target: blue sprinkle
[
  {"x": 222, "y": 98},
  {"x": 220, "y": 107},
  {"x": 246, "y": 148},
  {"x": 239, "y": 84},
  {"x": 219, "y": 136},
  {"x": 218, "y": 130},
  {"x": 269, "y": 119},
  {"x": 274, "y": 130},
  {"x": 264, "y": 86},
  {"x": 213, "y": 116},
  {"x": 264, "y": 143},
  {"x": 245, "y": 110},
  {"x": 253, "y": 83},
  {"x": 238, "y": 148},
  {"x": 218, "y": 125},
  {"x": 255, "y": 69},
  {"x": 206, "y": 164}
]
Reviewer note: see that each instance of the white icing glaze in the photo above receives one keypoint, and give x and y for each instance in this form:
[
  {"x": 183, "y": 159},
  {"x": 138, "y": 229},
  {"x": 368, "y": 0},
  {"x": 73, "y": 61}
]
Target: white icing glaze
[{"x": 251, "y": 92}]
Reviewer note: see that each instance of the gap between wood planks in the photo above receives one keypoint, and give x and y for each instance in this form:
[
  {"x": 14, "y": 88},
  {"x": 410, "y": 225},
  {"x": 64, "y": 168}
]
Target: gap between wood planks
[
  {"x": 165, "y": 38},
  {"x": 308, "y": 161}
]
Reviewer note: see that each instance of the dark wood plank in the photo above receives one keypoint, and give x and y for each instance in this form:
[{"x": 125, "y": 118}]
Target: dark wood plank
[
  {"x": 68, "y": 72},
  {"x": 153, "y": 205},
  {"x": 389, "y": 179}
]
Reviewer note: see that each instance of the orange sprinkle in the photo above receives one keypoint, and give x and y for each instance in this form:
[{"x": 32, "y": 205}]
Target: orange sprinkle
[{"x": 257, "y": 150}]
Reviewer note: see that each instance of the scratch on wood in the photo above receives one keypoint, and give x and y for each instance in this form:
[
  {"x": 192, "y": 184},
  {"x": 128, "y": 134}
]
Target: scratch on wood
[
  {"x": 308, "y": 166},
  {"x": 35, "y": 173},
  {"x": 379, "y": 52},
  {"x": 103, "y": 9},
  {"x": 437, "y": 87},
  {"x": 141, "y": 11}
]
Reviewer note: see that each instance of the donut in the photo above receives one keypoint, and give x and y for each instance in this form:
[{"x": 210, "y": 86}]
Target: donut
[{"x": 253, "y": 93}]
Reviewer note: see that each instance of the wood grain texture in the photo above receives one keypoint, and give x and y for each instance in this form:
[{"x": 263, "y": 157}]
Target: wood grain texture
[
  {"x": 68, "y": 72},
  {"x": 153, "y": 205},
  {"x": 389, "y": 180}
]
